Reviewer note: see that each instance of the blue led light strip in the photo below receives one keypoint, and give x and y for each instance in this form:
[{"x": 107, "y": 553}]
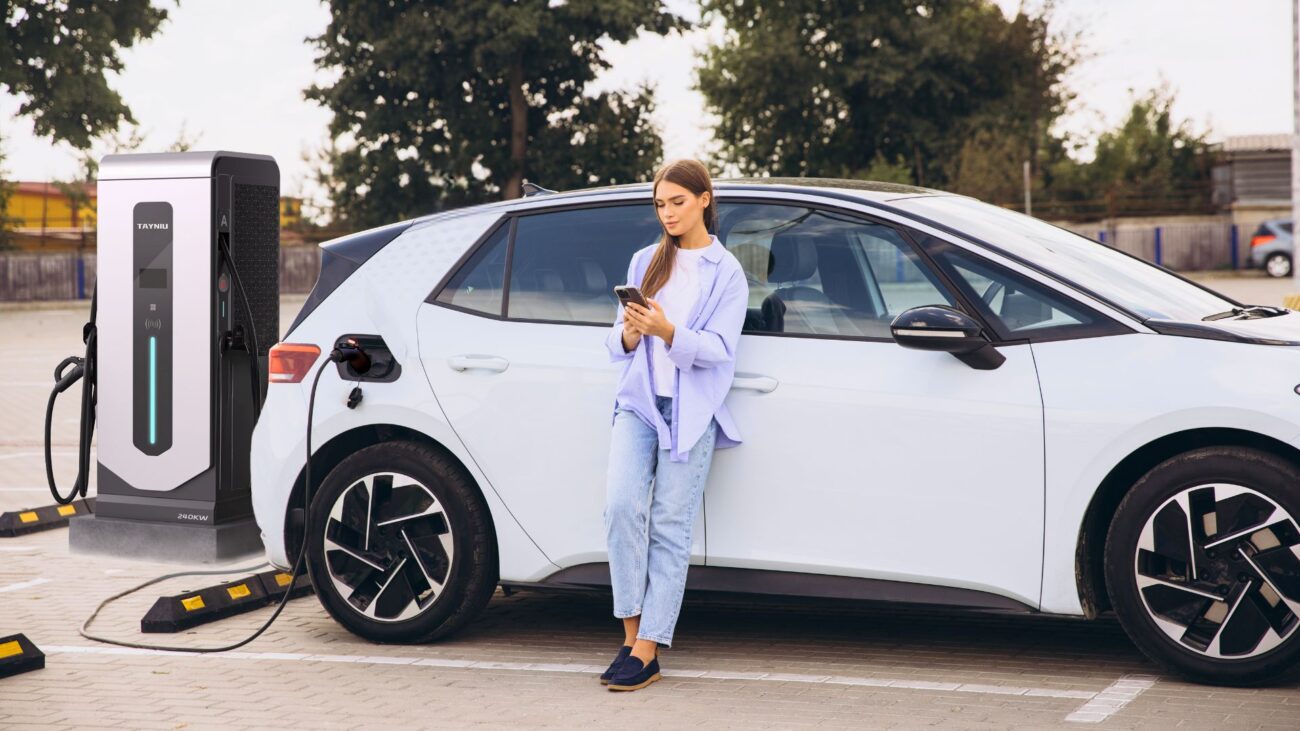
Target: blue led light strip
[{"x": 153, "y": 390}]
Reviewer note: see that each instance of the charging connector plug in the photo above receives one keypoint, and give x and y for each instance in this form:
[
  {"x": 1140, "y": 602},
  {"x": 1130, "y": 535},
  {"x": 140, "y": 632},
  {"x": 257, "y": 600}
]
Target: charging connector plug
[{"x": 350, "y": 351}]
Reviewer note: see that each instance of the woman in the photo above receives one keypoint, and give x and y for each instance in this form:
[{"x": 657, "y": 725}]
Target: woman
[{"x": 678, "y": 358}]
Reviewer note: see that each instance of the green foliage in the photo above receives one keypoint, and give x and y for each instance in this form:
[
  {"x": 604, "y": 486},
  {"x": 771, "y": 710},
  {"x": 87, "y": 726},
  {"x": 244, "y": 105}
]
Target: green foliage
[
  {"x": 1147, "y": 165},
  {"x": 53, "y": 54},
  {"x": 990, "y": 166},
  {"x": 805, "y": 87},
  {"x": 882, "y": 170},
  {"x": 1151, "y": 161},
  {"x": 439, "y": 105}
]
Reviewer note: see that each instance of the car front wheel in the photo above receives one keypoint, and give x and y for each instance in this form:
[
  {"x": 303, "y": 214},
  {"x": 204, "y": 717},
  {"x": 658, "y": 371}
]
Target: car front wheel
[
  {"x": 400, "y": 546},
  {"x": 1203, "y": 566}
]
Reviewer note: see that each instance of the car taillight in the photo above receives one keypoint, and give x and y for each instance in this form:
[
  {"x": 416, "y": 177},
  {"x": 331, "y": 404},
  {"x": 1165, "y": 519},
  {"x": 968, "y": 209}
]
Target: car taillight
[
  {"x": 290, "y": 362},
  {"x": 1261, "y": 239}
]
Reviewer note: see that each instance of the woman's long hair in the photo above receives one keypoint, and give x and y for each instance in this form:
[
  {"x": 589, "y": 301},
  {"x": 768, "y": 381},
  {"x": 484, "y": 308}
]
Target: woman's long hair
[{"x": 693, "y": 176}]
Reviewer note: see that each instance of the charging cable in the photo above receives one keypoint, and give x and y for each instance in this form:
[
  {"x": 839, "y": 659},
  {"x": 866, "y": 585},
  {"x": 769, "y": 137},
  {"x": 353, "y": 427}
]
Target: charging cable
[
  {"x": 348, "y": 351},
  {"x": 253, "y": 372},
  {"x": 82, "y": 368}
]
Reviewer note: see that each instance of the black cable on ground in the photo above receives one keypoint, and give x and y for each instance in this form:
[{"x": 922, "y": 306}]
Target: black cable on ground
[
  {"x": 88, "y": 427},
  {"x": 297, "y": 565}
]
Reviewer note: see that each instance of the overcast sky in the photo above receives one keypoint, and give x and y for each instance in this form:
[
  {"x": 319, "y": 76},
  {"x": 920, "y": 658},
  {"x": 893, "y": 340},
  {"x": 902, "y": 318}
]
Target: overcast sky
[{"x": 231, "y": 74}]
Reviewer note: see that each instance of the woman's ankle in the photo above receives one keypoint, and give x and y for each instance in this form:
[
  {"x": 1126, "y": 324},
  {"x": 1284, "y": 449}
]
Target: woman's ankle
[{"x": 645, "y": 650}]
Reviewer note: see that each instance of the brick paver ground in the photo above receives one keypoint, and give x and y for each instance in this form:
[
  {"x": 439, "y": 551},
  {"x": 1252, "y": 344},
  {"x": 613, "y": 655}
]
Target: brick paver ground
[{"x": 531, "y": 659}]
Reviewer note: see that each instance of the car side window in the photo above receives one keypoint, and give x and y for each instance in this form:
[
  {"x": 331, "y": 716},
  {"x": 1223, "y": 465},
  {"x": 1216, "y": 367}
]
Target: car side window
[
  {"x": 818, "y": 272},
  {"x": 479, "y": 285},
  {"x": 566, "y": 264},
  {"x": 1017, "y": 306}
]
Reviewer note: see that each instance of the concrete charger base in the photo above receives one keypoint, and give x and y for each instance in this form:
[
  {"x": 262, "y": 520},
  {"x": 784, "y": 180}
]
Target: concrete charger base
[{"x": 169, "y": 542}]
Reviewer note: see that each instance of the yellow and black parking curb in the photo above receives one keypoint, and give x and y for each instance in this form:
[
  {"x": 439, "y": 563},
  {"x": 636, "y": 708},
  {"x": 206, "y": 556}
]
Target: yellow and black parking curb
[
  {"x": 18, "y": 522},
  {"x": 19, "y": 655},
  {"x": 192, "y": 608}
]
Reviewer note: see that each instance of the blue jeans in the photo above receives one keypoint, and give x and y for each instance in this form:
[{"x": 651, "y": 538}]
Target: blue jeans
[{"x": 648, "y": 530}]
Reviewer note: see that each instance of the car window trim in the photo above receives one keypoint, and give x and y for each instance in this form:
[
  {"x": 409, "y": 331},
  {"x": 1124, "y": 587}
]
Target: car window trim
[
  {"x": 512, "y": 220},
  {"x": 781, "y": 197},
  {"x": 508, "y": 274},
  {"x": 464, "y": 259},
  {"x": 1064, "y": 281},
  {"x": 1103, "y": 325}
]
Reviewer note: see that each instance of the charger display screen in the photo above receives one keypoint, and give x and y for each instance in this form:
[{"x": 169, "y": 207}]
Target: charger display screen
[{"x": 153, "y": 279}]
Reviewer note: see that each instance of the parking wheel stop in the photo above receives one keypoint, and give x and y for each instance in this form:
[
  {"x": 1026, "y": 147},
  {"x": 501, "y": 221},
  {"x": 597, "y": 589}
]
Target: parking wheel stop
[
  {"x": 19, "y": 522},
  {"x": 192, "y": 608},
  {"x": 19, "y": 655}
]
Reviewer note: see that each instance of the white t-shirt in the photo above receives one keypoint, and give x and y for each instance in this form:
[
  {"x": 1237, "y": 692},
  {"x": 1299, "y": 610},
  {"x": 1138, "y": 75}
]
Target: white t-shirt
[{"x": 677, "y": 297}]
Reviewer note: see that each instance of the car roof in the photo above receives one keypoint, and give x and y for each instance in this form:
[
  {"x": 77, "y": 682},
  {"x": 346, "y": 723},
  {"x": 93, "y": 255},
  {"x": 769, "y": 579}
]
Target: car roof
[
  {"x": 868, "y": 190},
  {"x": 871, "y": 190}
]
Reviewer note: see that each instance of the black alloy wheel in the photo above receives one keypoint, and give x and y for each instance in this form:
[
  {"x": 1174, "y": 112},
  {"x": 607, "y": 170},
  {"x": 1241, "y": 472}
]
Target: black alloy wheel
[{"x": 400, "y": 546}]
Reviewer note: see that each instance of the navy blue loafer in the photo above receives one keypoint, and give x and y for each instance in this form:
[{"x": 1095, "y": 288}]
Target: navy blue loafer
[
  {"x": 632, "y": 674},
  {"x": 623, "y": 652}
]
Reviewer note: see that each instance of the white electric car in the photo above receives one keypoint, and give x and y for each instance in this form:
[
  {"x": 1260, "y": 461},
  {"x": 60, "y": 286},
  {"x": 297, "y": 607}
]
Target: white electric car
[{"x": 942, "y": 402}]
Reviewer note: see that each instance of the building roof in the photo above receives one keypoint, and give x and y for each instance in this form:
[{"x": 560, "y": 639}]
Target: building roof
[
  {"x": 1258, "y": 143},
  {"x": 50, "y": 188}
]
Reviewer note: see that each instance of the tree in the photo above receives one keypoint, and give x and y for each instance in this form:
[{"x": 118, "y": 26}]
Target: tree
[
  {"x": 1147, "y": 165},
  {"x": 54, "y": 54},
  {"x": 441, "y": 105},
  {"x": 806, "y": 87},
  {"x": 114, "y": 142},
  {"x": 1150, "y": 163},
  {"x": 990, "y": 166}
]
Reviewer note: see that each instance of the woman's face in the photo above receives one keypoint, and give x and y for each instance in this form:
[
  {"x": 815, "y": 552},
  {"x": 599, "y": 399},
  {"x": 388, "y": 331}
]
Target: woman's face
[{"x": 679, "y": 209}]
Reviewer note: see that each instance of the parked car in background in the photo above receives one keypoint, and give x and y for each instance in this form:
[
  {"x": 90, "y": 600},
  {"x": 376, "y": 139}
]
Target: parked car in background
[
  {"x": 1271, "y": 247},
  {"x": 943, "y": 402}
]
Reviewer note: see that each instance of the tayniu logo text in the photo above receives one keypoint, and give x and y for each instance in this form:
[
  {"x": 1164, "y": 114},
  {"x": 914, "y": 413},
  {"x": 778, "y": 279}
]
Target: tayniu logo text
[{"x": 154, "y": 226}]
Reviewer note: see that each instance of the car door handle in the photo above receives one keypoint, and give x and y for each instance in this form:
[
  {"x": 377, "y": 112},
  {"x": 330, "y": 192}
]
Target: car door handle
[
  {"x": 480, "y": 362},
  {"x": 754, "y": 382}
]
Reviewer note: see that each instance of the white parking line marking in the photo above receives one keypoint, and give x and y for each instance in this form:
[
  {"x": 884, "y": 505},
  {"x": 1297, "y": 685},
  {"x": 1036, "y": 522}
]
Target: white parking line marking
[
  {"x": 17, "y": 548},
  {"x": 1108, "y": 702},
  {"x": 548, "y": 667},
  {"x": 24, "y": 585}
]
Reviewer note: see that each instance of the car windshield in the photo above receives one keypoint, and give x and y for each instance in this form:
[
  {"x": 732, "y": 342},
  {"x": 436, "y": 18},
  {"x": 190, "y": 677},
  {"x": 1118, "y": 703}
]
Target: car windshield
[{"x": 1140, "y": 288}]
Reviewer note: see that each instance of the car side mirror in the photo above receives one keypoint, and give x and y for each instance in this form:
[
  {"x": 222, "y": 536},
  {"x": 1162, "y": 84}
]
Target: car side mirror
[{"x": 947, "y": 329}]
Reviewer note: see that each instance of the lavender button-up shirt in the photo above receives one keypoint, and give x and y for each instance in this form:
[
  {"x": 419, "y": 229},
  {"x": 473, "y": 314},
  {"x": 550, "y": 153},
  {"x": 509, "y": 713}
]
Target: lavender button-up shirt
[{"x": 703, "y": 349}]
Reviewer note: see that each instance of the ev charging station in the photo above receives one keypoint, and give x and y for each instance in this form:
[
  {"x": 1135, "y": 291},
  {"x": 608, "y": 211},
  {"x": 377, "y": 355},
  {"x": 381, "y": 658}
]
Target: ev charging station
[{"x": 187, "y": 308}]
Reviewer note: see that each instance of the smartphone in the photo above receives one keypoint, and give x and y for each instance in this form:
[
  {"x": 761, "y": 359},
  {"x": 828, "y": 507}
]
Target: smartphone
[{"x": 629, "y": 293}]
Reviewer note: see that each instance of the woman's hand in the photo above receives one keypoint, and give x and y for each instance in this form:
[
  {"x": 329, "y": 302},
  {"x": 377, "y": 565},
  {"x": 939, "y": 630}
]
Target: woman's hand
[
  {"x": 651, "y": 321},
  {"x": 631, "y": 335}
]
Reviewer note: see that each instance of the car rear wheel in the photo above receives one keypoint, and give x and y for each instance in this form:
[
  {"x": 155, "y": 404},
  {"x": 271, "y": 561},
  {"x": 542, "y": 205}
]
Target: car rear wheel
[
  {"x": 1278, "y": 265},
  {"x": 400, "y": 546},
  {"x": 1203, "y": 566}
]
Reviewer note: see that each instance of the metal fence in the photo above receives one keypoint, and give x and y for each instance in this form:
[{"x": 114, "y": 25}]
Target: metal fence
[
  {"x": 33, "y": 277},
  {"x": 1184, "y": 246}
]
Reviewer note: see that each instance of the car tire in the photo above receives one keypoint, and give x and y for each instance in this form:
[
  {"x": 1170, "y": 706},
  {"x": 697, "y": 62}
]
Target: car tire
[
  {"x": 1278, "y": 265},
  {"x": 400, "y": 544},
  {"x": 1202, "y": 564}
]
